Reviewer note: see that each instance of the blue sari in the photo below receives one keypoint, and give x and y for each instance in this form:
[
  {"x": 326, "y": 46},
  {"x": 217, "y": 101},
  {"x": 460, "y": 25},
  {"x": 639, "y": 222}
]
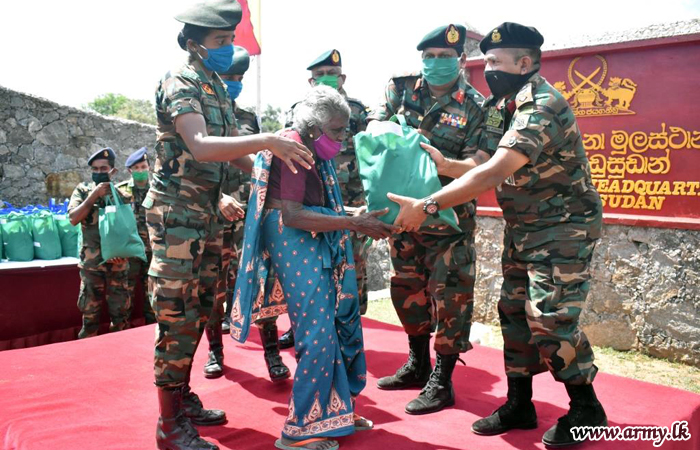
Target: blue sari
[{"x": 317, "y": 276}]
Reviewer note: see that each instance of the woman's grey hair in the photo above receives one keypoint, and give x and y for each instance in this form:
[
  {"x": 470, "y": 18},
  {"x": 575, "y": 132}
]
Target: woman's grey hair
[{"x": 321, "y": 105}]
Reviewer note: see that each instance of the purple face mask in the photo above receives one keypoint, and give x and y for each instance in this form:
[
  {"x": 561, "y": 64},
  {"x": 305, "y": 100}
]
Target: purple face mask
[{"x": 327, "y": 148}]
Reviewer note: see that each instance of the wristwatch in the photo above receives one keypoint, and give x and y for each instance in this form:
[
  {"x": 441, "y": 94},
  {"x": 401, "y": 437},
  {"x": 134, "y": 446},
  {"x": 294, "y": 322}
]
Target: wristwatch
[{"x": 431, "y": 207}]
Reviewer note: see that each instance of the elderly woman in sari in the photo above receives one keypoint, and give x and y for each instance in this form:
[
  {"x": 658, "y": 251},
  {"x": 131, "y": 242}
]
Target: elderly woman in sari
[{"x": 298, "y": 226}]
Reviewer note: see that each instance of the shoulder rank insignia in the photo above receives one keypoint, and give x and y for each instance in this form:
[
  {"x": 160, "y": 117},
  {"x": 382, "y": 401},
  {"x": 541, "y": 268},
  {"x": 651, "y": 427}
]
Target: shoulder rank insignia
[
  {"x": 207, "y": 88},
  {"x": 452, "y": 35},
  {"x": 494, "y": 120},
  {"x": 453, "y": 120},
  {"x": 460, "y": 96}
]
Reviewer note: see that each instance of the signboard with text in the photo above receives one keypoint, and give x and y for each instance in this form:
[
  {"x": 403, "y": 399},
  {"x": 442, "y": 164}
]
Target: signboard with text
[{"x": 638, "y": 108}]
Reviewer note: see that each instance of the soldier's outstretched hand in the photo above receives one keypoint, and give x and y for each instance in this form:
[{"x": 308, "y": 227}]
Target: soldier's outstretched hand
[
  {"x": 290, "y": 151},
  {"x": 411, "y": 215},
  {"x": 437, "y": 157}
]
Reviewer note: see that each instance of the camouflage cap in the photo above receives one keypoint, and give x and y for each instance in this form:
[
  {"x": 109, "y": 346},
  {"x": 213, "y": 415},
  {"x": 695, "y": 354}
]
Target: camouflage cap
[
  {"x": 105, "y": 153},
  {"x": 447, "y": 36},
  {"x": 511, "y": 35},
  {"x": 212, "y": 14},
  {"x": 241, "y": 61},
  {"x": 329, "y": 58},
  {"x": 136, "y": 157}
]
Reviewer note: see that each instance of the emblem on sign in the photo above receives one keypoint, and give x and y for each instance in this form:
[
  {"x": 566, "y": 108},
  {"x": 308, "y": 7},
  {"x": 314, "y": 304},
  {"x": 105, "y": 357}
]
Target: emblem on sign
[{"x": 589, "y": 97}]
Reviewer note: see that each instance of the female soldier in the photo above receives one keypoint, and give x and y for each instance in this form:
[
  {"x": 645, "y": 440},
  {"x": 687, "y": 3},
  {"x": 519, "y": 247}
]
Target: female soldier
[{"x": 195, "y": 117}]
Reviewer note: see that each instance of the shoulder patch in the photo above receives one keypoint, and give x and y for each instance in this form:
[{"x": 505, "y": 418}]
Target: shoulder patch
[{"x": 524, "y": 96}]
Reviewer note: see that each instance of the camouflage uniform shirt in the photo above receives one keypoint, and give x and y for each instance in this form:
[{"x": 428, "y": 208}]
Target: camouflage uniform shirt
[
  {"x": 90, "y": 251},
  {"x": 247, "y": 123},
  {"x": 554, "y": 187},
  {"x": 177, "y": 175},
  {"x": 451, "y": 122}
]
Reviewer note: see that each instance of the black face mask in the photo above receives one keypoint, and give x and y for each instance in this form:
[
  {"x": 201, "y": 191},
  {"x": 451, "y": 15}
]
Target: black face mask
[
  {"x": 504, "y": 83},
  {"x": 100, "y": 177}
]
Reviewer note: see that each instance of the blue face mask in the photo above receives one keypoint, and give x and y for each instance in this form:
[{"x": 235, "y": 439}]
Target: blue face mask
[
  {"x": 234, "y": 88},
  {"x": 439, "y": 71},
  {"x": 219, "y": 59}
]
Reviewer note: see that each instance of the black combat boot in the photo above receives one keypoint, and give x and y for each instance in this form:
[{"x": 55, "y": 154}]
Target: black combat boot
[
  {"x": 438, "y": 392},
  {"x": 174, "y": 430},
  {"x": 194, "y": 410},
  {"x": 517, "y": 412},
  {"x": 584, "y": 411},
  {"x": 214, "y": 367},
  {"x": 275, "y": 366},
  {"x": 416, "y": 371},
  {"x": 286, "y": 340}
]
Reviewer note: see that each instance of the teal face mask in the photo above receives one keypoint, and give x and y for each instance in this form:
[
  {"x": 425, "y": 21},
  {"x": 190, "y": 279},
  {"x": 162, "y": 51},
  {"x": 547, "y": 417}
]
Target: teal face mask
[
  {"x": 327, "y": 80},
  {"x": 439, "y": 71}
]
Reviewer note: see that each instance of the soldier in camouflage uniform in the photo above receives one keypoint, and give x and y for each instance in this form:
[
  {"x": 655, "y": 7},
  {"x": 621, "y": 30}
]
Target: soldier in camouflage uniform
[
  {"x": 98, "y": 279},
  {"x": 195, "y": 120},
  {"x": 433, "y": 285},
  {"x": 327, "y": 69},
  {"x": 553, "y": 220},
  {"x": 135, "y": 190}
]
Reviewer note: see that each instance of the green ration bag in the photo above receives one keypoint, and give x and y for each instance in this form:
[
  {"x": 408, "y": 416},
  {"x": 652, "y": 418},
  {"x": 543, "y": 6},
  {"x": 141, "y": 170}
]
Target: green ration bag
[
  {"x": 393, "y": 161},
  {"x": 17, "y": 237},
  {"x": 119, "y": 236},
  {"x": 68, "y": 234},
  {"x": 47, "y": 243}
]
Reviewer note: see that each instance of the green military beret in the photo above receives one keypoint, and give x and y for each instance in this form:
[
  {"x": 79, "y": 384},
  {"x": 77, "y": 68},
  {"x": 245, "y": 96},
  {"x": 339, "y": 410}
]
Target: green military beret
[
  {"x": 105, "y": 153},
  {"x": 447, "y": 36},
  {"x": 212, "y": 14},
  {"x": 511, "y": 35},
  {"x": 241, "y": 61},
  {"x": 329, "y": 58}
]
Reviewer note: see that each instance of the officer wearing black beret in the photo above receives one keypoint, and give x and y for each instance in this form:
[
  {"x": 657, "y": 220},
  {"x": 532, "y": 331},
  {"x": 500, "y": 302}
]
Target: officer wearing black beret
[{"x": 553, "y": 217}]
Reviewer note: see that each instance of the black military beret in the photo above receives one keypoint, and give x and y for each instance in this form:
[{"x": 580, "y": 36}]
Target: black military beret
[
  {"x": 511, "y": 35},
  {"x": 212, "y": 14},
  {"x": 447, "y": 36},
  {"x": 329, "y": 58},
  {"x": 136, "y": 157},
  {"x": 241, "y": 61},
  {"x": 106, "y": 153}
]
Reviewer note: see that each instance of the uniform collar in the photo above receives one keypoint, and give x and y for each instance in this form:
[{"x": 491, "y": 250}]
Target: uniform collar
[{"x": 457, "y": 93}]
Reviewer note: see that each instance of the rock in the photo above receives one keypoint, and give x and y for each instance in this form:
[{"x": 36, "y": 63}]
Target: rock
[
  {"x": 55, "y": 133},
  {"x": 611, "y": 332},
  {"x": 3, "y": 136}
]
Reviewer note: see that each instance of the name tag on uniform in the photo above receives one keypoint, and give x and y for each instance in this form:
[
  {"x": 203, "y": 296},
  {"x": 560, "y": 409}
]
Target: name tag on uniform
[
  {"x": 453, "y": 120},
  {"x": 494, "y": 121}
]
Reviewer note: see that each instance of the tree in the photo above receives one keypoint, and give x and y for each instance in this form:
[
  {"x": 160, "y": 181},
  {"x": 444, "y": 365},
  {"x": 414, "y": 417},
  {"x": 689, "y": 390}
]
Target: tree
[
  {"x": 270, "y": 119},
  {"x": 118, "y": 105}
]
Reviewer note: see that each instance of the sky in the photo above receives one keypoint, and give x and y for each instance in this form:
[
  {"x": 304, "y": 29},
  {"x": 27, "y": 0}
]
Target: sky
[{"x": 72, "y": 51}]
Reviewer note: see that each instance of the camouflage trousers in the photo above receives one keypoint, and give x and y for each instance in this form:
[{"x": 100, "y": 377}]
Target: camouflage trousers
[
  {"x": 109, "y": 283},
  {"x": 359, "y": 253},
  {"x": 138, "y": 270},
  {"x": 227, "y": 273},
  {"x": 183, "y": 276},
  {"x": 433, "y": 287},
  {"x": 544, "y": 290}
]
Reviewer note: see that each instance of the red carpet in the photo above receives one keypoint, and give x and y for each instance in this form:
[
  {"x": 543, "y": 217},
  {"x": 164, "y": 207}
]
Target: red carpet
[{"x": 98, "y": 394}]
